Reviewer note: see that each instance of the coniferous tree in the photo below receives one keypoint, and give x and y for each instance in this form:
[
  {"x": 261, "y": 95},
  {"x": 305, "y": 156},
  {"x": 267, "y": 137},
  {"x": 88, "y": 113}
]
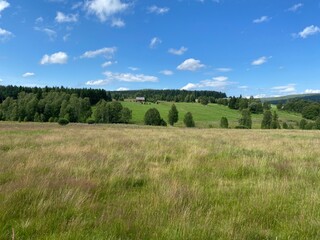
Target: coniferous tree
[
  {"x": 188, "y": 120},
  {"x": 245, "y": 119},
  {"x": 173, "y": 115},
  {"x": 275, "y": 121},
  {"x": 267, "y": 120},
  {"x": 224, "y": 122}
]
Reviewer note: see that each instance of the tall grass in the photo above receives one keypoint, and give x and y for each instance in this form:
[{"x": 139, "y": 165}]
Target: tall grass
[{"x": 129, "y": 182}]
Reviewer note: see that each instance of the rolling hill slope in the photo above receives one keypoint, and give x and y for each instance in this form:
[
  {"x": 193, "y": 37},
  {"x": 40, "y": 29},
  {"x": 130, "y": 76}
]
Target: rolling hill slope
[{"x": 203, "y": 115}]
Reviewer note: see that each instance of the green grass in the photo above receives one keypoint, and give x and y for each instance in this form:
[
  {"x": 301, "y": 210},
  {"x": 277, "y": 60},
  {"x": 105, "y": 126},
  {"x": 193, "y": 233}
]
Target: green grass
[
  {"x": 203, "y": 115},
  {"x": 136, "y": 182}
]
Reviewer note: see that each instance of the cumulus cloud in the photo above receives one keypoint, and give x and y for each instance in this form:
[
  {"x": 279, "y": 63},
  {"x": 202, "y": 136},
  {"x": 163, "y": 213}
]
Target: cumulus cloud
[
  {"x": 122, "y": 77},
  {"x": 129, "y": 77},
  {"x": 28, "y": 74},
  {"x": 262, "y": 19},
  {"x": 117, "y": 22},
  {"x": 218, "y": 83},
  {"x": 287, "y": 89},
  {"x": 259, "y": 61},
  {"x": 3, "y": 5},
  {"x": 106, "y": 52},
  {"x": 123, "y": 89},
  {"x": 104, "y": 9},
  {"x": 309, "y": 31},
  {"x": 311, "y": 91},
  {"x": 158, "y": 10},
  {"x": 99, "y": 82},
  {"x": 295, "y": 7},
  {"x": 56, "y": 58},
  {"x": 190, "y": 65},
  {"x": 62, "y": 18},
  {"x": 155, "y": 42},
  {"x": 166, "y": 72},
  {"x": 180, "y": 51},
  {"x": 5, "y": 35}
]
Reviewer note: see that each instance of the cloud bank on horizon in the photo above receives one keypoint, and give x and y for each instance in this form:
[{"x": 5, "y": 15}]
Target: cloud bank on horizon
[{"x": 263, "y": 48}]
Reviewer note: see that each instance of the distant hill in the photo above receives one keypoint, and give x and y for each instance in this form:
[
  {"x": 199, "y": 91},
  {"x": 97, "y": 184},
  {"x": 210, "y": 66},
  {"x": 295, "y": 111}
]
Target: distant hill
[{"x": 310, "y": 97}]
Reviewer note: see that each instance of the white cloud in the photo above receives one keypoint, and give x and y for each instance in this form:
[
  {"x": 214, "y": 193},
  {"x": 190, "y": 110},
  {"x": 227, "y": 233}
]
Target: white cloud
[
  {"x": 224, "y": 69},
  {"x": 62, "y": 18},
  {"x": 97, "y": 82},
  {"x": 287, "y": 89},
  {"x": 39, "y": 20},
  {"x": 180, "y": 51},
  {"x": 122, "y": 89},
  {"x": 50, "y": 33},
  {"x": 155, "y": 42},
  {"x": 104, "y": 9},
  {"x": 295, "y": 7},
  {"x": 3, "y": 5},
  {"x": 56, "y": 58},
  {"x": 106, "y": 52},
  {"x": 117, "y": 22},
  {"x": 262, "y": 19},
  {"x": 158, "y": 10},
  {"x": 5, "y": 35},
  {"x": 190, "y": 65},
  {"x": 28, "y": 74},
  {"x": 107, "y": 64},
  {"x": 66, "y": 37},
  {"x": 220, "y": 78},
  {"x": 309, "y": 31},
  {"x": 218, "y": 83},
  {"x": 167, "y": 72},
  {"x": 310, "y": 91},
  {"x": 1, "y": 80},
  {"x": 129, "y": 77},
  {"x": 259, "y": 61}
]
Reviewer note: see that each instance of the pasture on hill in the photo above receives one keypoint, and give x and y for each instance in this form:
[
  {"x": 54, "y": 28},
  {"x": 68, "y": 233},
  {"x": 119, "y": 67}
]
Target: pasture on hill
[
  {"x": 203, "y": 115},
  {"x": 136, "y": 182}
]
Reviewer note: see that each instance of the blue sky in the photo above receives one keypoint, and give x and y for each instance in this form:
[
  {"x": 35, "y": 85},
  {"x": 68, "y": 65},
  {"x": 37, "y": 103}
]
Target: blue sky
[{"x": 248, "y": 47}]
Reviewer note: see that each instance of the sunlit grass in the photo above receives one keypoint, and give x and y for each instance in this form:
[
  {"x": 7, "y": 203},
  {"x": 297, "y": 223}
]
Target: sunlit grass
[{"x": 136, "y": 182}]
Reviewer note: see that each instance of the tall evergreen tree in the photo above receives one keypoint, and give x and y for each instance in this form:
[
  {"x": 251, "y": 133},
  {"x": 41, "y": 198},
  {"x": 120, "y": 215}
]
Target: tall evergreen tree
[
  {"x": 267, "y": 120},
  {"x": 245, "y": 119},
  {"x": 275, "y": 121},
  {"x": 173, "y": 115},
  {"x": 188, "y": 120}
]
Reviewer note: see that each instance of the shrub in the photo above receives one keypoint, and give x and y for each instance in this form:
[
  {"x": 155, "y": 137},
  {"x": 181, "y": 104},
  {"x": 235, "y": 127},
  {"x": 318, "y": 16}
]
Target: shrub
[
  {"x": 91, "y": 121},
  {"x": 285, "y": 125},
  {"x": 63, "y": 121},
  {"x": 224, "y": 122},
  {"x": 241, "y": 127},
  {"x": 188, "y": 120},
  {"x": 152, "y": 117}
]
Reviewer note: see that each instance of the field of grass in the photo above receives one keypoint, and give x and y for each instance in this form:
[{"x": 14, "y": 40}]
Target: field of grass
[
  {"x": 136, "y": 182},
  {"x": 203, "y": 115}
]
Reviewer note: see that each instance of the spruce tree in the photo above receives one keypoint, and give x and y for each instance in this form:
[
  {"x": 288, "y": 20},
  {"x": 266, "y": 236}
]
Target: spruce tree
[
  {"x": 173, "y": 115},
  {"x": 188, "y": 120},
  {"x": 267, "y": 120}
]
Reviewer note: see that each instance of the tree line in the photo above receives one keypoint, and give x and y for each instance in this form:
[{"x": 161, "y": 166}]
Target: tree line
[{"x": 168, "y": 95}]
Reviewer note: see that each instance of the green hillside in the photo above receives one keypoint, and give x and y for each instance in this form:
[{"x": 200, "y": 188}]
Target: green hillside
[{"x": 203, "y": 115}]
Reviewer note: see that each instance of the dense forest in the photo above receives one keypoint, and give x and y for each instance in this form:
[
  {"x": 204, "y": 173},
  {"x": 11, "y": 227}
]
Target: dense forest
[
  {"x": 95, "y": 95},
  {"x": 167, "y": 95}
]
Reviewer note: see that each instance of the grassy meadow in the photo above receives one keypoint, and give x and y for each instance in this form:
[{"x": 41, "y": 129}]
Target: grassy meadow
[
  {"x": 203, "y": 115},
  {"x": 137, "y": 182}
]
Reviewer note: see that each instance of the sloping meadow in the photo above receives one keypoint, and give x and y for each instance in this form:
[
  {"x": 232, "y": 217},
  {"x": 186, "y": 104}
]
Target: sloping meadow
[{"x": 131, "y": 182}]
